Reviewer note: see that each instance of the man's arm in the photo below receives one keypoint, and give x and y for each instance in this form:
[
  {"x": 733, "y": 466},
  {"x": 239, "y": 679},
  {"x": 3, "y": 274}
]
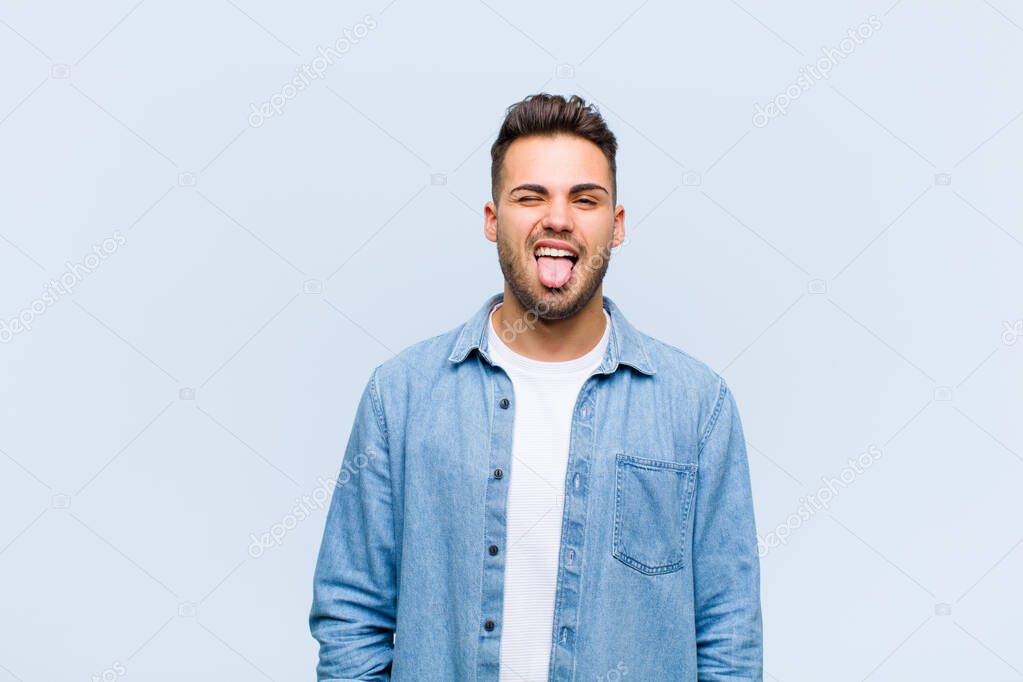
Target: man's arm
[
  {"x": 726, "y": 565},
  {"x": 354, "y": 591}
]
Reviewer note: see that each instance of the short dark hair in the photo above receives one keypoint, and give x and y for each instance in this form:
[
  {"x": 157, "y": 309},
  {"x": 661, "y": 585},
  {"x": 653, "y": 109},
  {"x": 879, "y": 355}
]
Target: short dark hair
[{"x": 546, "y": 114}]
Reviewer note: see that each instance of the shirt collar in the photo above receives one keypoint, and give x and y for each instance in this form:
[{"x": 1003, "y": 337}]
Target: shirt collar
[{"x": 625, "y": 344}]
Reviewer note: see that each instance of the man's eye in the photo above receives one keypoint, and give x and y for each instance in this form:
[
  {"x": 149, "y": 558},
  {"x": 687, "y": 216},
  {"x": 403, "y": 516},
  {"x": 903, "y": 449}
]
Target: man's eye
[
  {"x": 529, "y": 199},
  {"x": 590, "y": 202}
]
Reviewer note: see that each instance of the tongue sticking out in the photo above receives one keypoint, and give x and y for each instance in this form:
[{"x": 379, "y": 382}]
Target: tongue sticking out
[{"x": 554, "y": 270}]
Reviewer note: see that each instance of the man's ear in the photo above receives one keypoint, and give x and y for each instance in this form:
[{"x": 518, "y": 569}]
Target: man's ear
[
  {"x": 619, "y": 226},
  {"x": 490, "y": 221}
]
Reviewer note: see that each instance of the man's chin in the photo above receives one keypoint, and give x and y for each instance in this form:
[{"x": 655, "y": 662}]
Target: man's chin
[
  {"x": 548, "y": 303},
  {"x": 553, "y": 304}
]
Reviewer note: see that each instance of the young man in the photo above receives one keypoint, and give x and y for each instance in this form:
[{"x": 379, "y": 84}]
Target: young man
[{"x": 544, "y": 492}]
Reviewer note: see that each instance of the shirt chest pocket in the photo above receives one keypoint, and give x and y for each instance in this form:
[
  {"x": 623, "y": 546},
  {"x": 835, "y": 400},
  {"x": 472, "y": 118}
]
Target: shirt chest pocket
[{"x": 653, "y": 506}]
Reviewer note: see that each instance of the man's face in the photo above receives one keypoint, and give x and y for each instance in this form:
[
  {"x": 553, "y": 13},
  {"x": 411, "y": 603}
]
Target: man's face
[{"x": 554, "y": 192}]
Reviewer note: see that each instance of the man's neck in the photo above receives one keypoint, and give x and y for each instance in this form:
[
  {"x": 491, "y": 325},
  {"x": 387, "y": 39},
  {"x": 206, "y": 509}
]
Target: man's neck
[{"x": 550, "y": 340}]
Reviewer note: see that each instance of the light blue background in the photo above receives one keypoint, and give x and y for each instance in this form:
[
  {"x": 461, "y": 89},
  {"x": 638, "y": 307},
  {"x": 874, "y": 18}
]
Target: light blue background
[{"x": 853, "y": 269}]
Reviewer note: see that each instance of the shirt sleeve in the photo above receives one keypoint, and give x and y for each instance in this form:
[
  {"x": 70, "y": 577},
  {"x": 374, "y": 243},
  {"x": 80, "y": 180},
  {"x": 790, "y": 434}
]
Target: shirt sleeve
[
  {"x": 726, "y": 563},
  {"x": 354, "y": 585}
]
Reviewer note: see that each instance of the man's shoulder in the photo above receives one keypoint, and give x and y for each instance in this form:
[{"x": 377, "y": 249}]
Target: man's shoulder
[
  {"x": 689, "y": 380},
  {"x": 675, "y": 364},
  {"x": 423, "y": 359}
]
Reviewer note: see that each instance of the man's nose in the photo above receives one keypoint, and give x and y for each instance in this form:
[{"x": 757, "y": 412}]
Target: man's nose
[{"x": 558, "y": 216}]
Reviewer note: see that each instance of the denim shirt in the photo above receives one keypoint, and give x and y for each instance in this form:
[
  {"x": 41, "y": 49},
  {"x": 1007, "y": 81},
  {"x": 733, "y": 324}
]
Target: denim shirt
[{"x": 658, "y": 577}]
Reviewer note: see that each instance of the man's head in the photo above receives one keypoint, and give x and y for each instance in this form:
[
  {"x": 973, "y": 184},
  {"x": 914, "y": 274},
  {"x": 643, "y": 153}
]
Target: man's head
[{"x": 553, "y": 178}]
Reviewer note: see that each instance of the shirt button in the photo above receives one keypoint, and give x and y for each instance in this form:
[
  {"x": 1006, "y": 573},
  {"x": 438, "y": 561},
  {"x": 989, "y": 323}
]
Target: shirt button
[
  {"x": 571, "y": 556},
  {"x": 585, "y": 412},
  {"x": 499, "y": 473},
  {"x": 488, "y": 625},
  {"x": 492, "y": 549},
  {"x": 505, "y": 403}
]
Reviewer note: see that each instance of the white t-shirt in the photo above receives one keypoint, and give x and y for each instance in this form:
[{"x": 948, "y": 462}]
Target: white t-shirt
[{"x": 545, "y": 394}]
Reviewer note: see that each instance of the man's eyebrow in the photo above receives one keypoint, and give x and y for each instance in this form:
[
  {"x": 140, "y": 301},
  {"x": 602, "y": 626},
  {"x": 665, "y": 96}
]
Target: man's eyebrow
[
  {"x": 540, "y": 189},
  {"x": 586, "y": 186}
]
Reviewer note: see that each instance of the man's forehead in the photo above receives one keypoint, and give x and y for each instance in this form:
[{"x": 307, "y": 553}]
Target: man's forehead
[{"x": 555, "y": 161}]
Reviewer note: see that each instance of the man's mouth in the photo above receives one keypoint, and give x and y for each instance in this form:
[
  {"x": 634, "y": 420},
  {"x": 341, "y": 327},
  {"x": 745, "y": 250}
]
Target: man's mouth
[{"x": 554, "y": 266}]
